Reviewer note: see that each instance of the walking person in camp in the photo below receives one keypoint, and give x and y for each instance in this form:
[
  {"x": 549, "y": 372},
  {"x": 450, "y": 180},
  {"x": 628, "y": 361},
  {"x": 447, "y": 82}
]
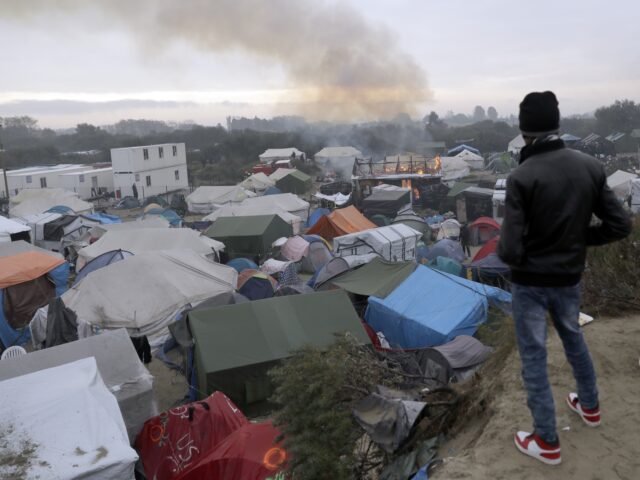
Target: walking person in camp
[
  {"x": 465, "y": 239},
  {"x": 551, "y": 197}
]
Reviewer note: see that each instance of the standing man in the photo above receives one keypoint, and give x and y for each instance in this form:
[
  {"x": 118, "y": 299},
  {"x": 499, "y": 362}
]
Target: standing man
[
  {"x": 551, "y": 197},
  {"x": 465, "y": 239}
]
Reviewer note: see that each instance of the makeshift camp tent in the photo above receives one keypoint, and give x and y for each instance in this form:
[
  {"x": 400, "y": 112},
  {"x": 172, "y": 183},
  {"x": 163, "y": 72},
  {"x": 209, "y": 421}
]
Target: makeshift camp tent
[
  {"x": 208, "y": 199},
  {"x": 280, "y": 173},
  {"x": 461, "y": 148},
  {"x": 453, "y": 361},
  {"x": 453, "y": 168},
  {"x": 110, "y": 297},
  {"x": 316, "y": 215},
  {"x": 635, "y": 195},
  {"x": 11, "y": 231},
  {"x": 491, "y": 271},
  {"x": 29, "y": 278},
  {"x": 257, "y": 287},
  {"x": 295, "y": 248},
  {"x": 393, "y": 243},
  {"x": 272, "y": 191},
  {"x": 295, "y": 182},
  {"x": 209, "y": 423},
  {"x": 339, "y": 158},
  {"x": 35, "y": 201},
  {"x": 482, "y": 230},
  {"x": 156, "y": 200},
  {"x": 386, "y": 202},
  {"x": 515, "y": 145},
  {"x": 448, "y": 265},
  {"x": 487, "y": 249},
  {"x": 101, "y": 261},
  {"x": 431, "y": 308},
  {"x": 71, "y": 421},
  {"x": 332, "y": 269},
  {"x": 119, "y": 367},
  {"x": 249, "y": 236},
  {"x": 620, "y": 182},
  {"x": 258, "y": 182},
  {"x": 449, "y": 229},
  {"x": 411, "y": 219},
  {"x": 147, "y": 240},
  {"x": 257, "y": 208},
  {"x": 240, "y": 264},
  {"x": 341, "y": 222},
  {"x": 171, "y": 216},
  {"x": 127, "y": 203},
  {"x": 378, "y": 277},
  {"x": 475, "y": 161},
  {"x": 317, "y": 257},
  {"x": 271, "y": 330},
  {"x": 286, "y": 201},
  {"x": 446, "y": 248}
]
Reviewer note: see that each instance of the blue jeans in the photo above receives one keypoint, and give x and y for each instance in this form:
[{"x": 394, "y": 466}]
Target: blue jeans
[{"x": 530, "y": 305}]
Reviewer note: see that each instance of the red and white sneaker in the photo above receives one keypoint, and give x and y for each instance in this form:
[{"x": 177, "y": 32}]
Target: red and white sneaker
[
  {"x": 532, "y": 445},
  {"x": 590, "y": 416}
]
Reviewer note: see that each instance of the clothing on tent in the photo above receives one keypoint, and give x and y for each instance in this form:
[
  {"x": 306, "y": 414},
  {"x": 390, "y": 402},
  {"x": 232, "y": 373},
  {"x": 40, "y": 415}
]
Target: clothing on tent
[
  {"x": 431, "y": 308},
  {"x": 62, "y": 324},
  {"x": 61, "y": 410}
]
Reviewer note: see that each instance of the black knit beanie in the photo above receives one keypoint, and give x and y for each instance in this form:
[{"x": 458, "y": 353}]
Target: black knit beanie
[{"x": 539, "y": 114}]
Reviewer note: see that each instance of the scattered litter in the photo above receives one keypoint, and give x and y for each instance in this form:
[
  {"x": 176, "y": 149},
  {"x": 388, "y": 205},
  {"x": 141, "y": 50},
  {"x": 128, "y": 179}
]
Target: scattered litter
[
  {"x": 566, "y": 429},
  {"x": 584, "y": 319}
]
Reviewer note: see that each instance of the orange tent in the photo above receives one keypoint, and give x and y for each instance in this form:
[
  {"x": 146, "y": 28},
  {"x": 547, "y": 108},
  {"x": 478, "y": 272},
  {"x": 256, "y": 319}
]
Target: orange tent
[
  {"x": 25, "y": 266},
  {"x": 341, "y": 222}
]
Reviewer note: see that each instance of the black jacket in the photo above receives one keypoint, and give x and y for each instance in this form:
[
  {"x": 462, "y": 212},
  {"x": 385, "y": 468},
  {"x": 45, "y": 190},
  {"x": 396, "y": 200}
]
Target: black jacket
[{"x": 550, "y": 199}]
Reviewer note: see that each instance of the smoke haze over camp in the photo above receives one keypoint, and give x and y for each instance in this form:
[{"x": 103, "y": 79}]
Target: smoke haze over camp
[{"x": 72, "y": 61}]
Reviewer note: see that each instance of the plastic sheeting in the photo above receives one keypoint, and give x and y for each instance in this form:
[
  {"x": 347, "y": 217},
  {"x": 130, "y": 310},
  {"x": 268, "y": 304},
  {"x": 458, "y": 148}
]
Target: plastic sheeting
[
  {"x": 431, "y": 308},
  {"x": 207, "y": 199},
  {"x": 110, "y": 298},
  {"x": 71, "y": 417},
  {"x": 295, "y": 248},
  {"x": 286, "y": 201},
  {"x": 8, "y": 228},
  {"x": 393, "y": 243},
  {"x": 101, "y": 261},
  {"x": 36, "y": 201},
  {"x": 119, "y": 366}
]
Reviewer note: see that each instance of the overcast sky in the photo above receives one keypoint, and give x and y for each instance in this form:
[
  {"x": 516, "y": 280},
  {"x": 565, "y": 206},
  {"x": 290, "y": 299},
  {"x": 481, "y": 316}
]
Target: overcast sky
[{"x": 67, "y": 66}]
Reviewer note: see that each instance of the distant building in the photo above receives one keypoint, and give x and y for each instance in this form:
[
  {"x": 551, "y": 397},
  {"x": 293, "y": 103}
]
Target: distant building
[
  {"x": 37, "y": 177},
  {"x": 152, "y": 169},
  {"x": 88, "y": 183}
]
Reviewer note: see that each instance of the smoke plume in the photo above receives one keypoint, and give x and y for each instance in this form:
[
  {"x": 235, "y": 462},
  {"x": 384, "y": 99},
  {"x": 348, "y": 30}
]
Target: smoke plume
[{"x": 340, "y": 66}]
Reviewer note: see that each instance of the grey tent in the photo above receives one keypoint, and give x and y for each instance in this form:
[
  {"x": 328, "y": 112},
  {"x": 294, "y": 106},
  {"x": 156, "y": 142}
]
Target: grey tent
[
  {"x": 119, "y": 366},
  {"x": 236, "y": 345},
  {"x": 333, "y": 268},
  {"x": 377, "y": 278},
  {"x": 385, "y": 202}
]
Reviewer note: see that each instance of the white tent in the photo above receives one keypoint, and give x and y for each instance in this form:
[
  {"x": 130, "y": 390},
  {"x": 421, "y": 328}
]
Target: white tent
[
  {"x": 393, "y": 243},
  {"x": 66, "y": 424},
  {"x": 286, "y": 201},
  {"x": 207, "y": 199},
  {"x": 147, "y": 240},
  {"x": 338, "y": 156},
  {"x": 453, "y": 168},
  {"x": 257, "y": 182},
  {"x": 35, "y": 201},
  {"x": 620, "y": 182},
  {"x": 280, "y": 173},
  {"x": 272, "y": 154},
  {"x": 516, "y": 145},
  {"x": 449, "y": 228},
  {"x": 635, "y": 195},
  {"x": 256, "y": 209},
  {"x": 475, "y": 161},
  {"x": 112, "y": 297},
  {"x": 120, "y": 368},
  {"x": 11, "y": 227}
]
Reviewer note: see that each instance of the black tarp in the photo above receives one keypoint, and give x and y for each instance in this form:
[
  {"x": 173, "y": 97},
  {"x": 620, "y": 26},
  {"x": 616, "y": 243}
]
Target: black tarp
[
  {"x": 54, "y": 230},
  {"x": 385, "y": 202},
  {"x": 62, "y": 324}
]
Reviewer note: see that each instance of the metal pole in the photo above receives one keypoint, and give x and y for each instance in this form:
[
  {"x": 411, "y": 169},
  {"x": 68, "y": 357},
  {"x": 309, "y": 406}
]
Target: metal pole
[{"x": 4, "y": 167}]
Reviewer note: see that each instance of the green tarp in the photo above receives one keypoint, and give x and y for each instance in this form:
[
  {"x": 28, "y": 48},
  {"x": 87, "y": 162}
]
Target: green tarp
[
  {"x": 458, "y": 188},
  {"x": 295, "y": 182},
  {"x": 378, "y": 277},
  {"x": 249, "y": 236},
  {"x": 235, "y": 345}
]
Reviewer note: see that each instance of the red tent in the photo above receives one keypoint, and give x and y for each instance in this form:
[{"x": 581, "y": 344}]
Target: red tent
[
  {"x": 175, "y": 441},
  {"x": 487, "y": 249},
  {"x": 249, "y": 453},
  {"x": 483, "y": 229}
]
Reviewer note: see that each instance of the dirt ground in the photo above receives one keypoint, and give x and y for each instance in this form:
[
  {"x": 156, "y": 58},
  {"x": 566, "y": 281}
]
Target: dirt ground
[
  {"x": 485, "y": 449},
  {"x": 170, "y": 386}
]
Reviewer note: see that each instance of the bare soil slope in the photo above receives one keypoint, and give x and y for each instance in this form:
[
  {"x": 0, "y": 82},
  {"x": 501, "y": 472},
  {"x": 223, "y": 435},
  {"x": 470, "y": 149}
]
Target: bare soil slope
[{"x": 611, "y": 451}]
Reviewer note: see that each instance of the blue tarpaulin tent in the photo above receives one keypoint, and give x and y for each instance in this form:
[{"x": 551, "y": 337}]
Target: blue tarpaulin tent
[
  {"x": 241, "y": 264},
  {"x": 272, "y": 191},
  {"x": 316, "y": 215},
  {"x": 100, "y": 261},
  {"x": 431, "y": 308},
  {"x": 103, "y": 218}
]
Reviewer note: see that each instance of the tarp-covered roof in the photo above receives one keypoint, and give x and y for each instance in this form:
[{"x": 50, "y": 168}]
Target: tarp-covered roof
[
  {"x": 258, "y": 181},
  {"x": 295, "y": 182},
  {"x": 271, "y": 329},
  {"x": 35, "y": 201},
  {"x": 110, "y": 297},
  {"x": 281, "y": 173},
  {"x": 332, "y": 152},
  {"x": 253, "y": 209},
  {"x": 341, "y": 222},
  {"x": 26, "y": 266},
  {"x": 280, "y": 153},
  {"x": 378, "y": 277},
  {"x": 386, "y": 202},
  {"x": 431, "y": 308},
  {"x": 149, "y": 239}
]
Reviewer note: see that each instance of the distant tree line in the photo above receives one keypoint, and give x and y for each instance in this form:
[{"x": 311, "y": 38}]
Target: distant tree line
[{"x": 216, "y": 155}]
